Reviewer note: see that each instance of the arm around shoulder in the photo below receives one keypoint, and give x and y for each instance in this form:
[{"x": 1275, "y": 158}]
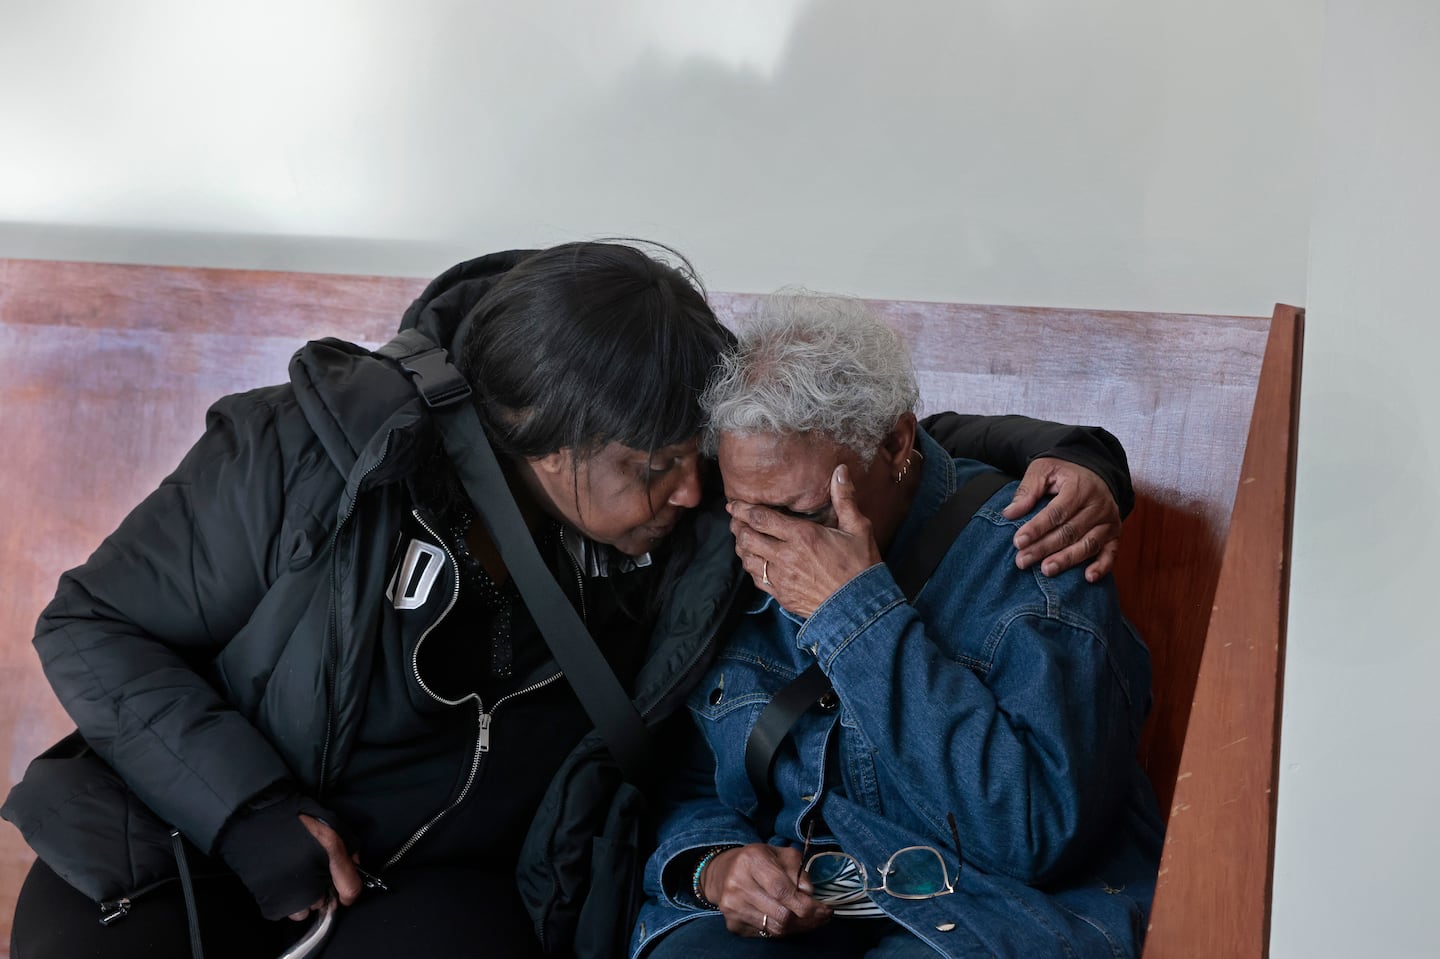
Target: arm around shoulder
[{"x": 1011, "y": 442}]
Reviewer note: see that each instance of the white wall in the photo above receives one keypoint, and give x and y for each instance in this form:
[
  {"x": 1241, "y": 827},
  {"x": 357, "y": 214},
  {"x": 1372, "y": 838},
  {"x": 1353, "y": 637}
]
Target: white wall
[
  {"x": 1040, "y": 151},
  {"x": 1358, "y": 843},
  {"x": 1111, "y": 153}
]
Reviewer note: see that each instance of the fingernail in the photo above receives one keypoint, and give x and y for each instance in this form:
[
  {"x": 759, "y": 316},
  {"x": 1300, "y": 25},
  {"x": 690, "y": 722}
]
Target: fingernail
[
  {"x": 1022, "y": 540},
  {"x": 842, "y": 474},
  {"x": 1048, "y": 569},
  {"x": 1022, "y": 561}
]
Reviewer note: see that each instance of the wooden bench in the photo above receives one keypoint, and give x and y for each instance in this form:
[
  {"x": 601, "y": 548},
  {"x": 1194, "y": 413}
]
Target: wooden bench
[{"x": 108, "y": 370}]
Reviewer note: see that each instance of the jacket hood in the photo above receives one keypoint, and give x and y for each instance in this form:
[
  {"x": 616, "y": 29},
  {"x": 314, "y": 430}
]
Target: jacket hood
[
  {"x": 362, "y": 410},
  {"x": 439, "y": 310}
]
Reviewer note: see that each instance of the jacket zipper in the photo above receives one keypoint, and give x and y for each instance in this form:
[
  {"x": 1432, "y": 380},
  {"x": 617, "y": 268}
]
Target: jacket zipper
[
  {"x": 333, "y": 640},
  {"x": 579, "y": 584},
  {"x": 482, "y": 746},
  {"x": 454, "y": 598},
  {"x": 113, "y": 909},
  {"x": 483, "y": 718}
]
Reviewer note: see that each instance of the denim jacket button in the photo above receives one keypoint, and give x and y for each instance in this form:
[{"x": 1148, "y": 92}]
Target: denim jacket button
[
  {"x": 718, "y": 693},
  {"x": 829, "y": 701}
]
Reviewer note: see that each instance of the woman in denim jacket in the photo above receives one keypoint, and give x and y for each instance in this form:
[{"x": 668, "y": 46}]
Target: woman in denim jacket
[{"x": 993, "y": 722}]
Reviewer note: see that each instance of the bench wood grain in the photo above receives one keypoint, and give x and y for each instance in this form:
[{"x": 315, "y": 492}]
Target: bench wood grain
[{"x": 109, "y": 369}]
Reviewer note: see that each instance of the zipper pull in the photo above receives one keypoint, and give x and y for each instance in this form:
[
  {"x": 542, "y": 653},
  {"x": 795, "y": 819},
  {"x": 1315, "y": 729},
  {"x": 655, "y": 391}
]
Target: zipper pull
[
  {"x": 484, "y": 732},
  {"x": 113, "y": 909},
  {"x": 372, "y": 881}
]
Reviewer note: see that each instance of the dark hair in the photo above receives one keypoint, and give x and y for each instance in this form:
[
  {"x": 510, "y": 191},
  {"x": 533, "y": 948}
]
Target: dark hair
[{"x": 591, "y": 343}]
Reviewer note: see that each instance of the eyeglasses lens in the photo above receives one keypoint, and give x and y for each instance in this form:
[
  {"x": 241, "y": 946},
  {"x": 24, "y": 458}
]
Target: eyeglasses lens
[
  {"x": 916, "y": 874},
  {"x": 832, "y": 868}
]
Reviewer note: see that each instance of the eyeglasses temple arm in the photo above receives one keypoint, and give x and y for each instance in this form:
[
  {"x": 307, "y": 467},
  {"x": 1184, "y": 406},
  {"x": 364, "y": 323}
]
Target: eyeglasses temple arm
[
  {"x": 804, "y": 851},
  {"x": 955, "y": 832}
]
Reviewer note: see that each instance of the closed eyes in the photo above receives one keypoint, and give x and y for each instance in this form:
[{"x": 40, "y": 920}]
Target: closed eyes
[{"x": 817, "y": 515}]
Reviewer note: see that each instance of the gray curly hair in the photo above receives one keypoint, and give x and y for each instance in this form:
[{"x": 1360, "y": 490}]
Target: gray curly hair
[{"x": 812, "y": 363}]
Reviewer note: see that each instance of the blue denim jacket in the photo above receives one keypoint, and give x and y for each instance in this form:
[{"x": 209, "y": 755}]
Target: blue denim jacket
[{"x": 1012, "y": 700}]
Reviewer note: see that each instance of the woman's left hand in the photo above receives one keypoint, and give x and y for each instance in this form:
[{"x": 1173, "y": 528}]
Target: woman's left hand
[
  {"x": 1081, "y": 521},
  {"x": 801, "y": 562},
  {"x": 762, "y": 892}
]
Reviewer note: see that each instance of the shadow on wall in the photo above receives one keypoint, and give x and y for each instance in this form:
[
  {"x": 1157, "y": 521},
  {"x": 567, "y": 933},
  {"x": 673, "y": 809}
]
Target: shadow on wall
[
  {"x": 1000, "y": 152},
  {"x": 311, "y": 254},
  {"x": 989, "y": 152}
]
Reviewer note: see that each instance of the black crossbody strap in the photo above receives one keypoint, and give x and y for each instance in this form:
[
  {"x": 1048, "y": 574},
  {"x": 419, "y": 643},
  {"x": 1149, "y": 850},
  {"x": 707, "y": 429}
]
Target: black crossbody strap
[
  {"x": 914, "y": 569},
  {"x": 911, "y": 574},
  {"x": 600, "y": 693}
]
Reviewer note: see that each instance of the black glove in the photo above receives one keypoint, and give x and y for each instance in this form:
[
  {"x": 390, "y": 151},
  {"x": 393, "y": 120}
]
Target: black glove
[{"x": 273, "y": 853}]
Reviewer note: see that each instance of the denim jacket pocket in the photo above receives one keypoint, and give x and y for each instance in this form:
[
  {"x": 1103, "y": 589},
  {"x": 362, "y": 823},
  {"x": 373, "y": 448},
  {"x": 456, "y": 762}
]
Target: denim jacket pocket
[{"x": 726, "y": 705}]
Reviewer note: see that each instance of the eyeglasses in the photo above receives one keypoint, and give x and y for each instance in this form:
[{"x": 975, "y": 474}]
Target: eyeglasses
[{"x": 915, "y": 872}]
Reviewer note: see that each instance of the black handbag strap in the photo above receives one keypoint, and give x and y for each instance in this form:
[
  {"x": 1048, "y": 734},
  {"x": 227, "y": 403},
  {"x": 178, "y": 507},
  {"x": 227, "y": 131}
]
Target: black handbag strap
[
  {"x": 604, "y": 699},
  {"x": 911, "y": 573}
]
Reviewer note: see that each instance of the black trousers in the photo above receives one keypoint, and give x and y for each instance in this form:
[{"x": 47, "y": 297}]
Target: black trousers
[{"x": 434, "y": 911}]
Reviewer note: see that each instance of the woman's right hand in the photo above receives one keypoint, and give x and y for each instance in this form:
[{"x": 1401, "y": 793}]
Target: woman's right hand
[
  {"x": 1081, "y": 521},
  {"x": 288, "y": 855},
  {"x": 755, "y": 887},
  {"x": 803, "y": 562},
  {"x": 344, "y": 876}
]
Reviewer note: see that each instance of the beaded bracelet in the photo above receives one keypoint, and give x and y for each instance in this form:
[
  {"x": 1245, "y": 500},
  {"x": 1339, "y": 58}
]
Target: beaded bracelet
[{"x": 710, "y": 854}]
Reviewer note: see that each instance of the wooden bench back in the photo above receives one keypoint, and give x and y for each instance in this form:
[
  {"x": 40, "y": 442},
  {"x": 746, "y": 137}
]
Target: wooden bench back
[{"x": 108, "y": 371}]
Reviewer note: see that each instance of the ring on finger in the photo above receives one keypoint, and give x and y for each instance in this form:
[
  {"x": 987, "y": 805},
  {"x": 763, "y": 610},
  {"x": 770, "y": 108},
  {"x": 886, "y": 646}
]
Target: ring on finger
[
  {"x": 765, "y": 574},
  {"x": 765, "y": 927}
]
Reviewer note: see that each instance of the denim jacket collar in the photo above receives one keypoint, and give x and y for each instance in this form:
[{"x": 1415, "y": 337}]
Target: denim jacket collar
[{"x": 937, "y": 482}]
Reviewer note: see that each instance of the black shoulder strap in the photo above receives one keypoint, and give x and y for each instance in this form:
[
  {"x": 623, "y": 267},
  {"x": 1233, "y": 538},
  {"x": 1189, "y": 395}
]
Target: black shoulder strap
[
  {"x": 911, "y": 573},
  {"x": 446, "y": 392},
  {"x": 913, "y": 570}
]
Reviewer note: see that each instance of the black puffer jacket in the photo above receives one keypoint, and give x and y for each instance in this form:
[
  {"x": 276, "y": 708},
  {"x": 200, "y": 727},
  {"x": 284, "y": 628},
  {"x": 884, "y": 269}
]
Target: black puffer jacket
[{"x": 221, "y": 640}]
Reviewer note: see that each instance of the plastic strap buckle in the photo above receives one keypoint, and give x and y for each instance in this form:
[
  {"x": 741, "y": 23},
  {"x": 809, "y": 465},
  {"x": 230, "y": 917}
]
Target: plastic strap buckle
[{"x": 436, "y": 378}]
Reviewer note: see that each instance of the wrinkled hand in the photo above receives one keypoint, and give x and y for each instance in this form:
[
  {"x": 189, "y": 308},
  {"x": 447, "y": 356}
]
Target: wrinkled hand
[
  {"x": 343, "y": 874},
  {"x": 799, "y": 562},
  {"x": 755, "y": 888},
  {"x": 1082, "y": 521}
]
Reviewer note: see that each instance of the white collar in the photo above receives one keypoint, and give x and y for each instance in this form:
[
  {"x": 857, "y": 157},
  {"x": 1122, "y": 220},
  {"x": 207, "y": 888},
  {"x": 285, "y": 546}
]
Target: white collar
[{"x": 595, "y": 559}]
